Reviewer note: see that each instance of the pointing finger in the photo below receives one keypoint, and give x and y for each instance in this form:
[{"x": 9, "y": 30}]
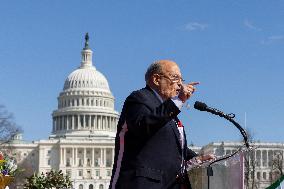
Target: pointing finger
[{"x": 194, "y": 83}]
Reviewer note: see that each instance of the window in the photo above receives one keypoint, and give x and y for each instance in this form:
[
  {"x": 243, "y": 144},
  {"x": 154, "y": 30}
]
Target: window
[
  {"x": 68, "y": 172},
  {"x": 68, "y": 164},
  {"x": 48, "y": 162},
  {"x": 91, "y": 186},
  {"x": 264, "y": 158},
  {"x": 82, "y": 120},
  {"x": 80, "y": 163},
  {"x": 101, "y": 186},
  {"x": 89, "y": 174},
  {"x": 264, "y": 175},
  {"x": 108, "y": 162},
  {"x": 97, "y": 173},
  {"x": 81, "y": 186},
  {"x": 258, "y": 157},
  {"x": 251, "y": 175},
  {"x": 258, "y": 175},
  {"x": 80, "y": 173},
  {"x": 96, "y": 162}
]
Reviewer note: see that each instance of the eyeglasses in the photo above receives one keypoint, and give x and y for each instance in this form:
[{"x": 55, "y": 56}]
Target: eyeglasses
[{"x": 174, "y": 78}]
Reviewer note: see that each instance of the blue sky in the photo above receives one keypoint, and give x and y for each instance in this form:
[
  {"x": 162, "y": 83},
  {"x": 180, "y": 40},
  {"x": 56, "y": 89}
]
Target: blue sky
[{"x": 234, "y": 48}]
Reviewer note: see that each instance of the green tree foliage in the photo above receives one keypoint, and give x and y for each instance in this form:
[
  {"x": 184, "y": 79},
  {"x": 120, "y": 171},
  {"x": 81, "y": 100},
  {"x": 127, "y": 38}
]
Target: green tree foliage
[{"x": 49, "y": 180}]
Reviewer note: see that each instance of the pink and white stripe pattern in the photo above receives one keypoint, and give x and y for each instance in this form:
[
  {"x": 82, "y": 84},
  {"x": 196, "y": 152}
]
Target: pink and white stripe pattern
[{"x": 120, "y": 154}]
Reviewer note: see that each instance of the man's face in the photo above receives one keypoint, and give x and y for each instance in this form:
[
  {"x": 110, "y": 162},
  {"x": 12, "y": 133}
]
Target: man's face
[{"x": 170, "y": 80}]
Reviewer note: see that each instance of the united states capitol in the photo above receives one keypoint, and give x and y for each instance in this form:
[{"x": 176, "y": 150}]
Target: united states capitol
[{"x": 81, "y": 143}]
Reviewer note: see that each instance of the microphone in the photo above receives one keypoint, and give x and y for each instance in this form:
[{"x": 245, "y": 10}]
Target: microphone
[{"x": 203, "y": 107}]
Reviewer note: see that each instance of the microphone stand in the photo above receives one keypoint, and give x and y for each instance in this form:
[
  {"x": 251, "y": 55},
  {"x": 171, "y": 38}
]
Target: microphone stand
[{"x": 228, "y": 117}]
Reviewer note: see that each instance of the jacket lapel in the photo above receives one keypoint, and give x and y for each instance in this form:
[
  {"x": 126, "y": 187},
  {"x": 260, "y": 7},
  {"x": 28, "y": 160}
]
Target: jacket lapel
[
  {"x": 176, "y": 132},
  {"x": 172, "y": 123}
]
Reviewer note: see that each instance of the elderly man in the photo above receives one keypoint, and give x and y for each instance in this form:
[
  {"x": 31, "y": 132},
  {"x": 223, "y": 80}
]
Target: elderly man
[{"x": 151, "y": 149}]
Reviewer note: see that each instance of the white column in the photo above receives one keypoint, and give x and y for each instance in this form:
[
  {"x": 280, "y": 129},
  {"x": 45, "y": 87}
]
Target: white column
[
  {"x": 56, "y": 124},
  {"x": 84, "y": 158},
  {"x": 267, "y": 158},
  {"x": 107, "y": 122},
  {"x": 101, "y": 163},
  {"x": 96, "y": 122},
  {"x": 61, "y": 157},
  {"x": 84, "y": 121},
  {"x": 104, "y": 157},
  {"x": 75, "y": 156},
  {"x": 67, "y": 122},
  {"x": 73, "y": 125},
  {"x": 59, "y": 122},
  {"x": 99, "y": 122},
  {"x": 112, "y": 123},
  {"x": 112, "y": 161},
  {"x": 102, "y": 117},
  {"x": 93, "y": 157},
  {"x": 79, "y": 122},
  {"x": 261, "y": 161},
  {"x": 89, "y": 121}
]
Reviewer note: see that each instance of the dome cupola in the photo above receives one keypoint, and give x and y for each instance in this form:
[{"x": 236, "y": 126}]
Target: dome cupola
[{"x": 86, "y": 104}]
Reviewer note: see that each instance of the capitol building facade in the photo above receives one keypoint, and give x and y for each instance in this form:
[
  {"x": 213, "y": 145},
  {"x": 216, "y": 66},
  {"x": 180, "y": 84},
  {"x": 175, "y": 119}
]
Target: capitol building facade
[
  {"x": 83, "y": 133},
  {"x": 81, "y": 143}
]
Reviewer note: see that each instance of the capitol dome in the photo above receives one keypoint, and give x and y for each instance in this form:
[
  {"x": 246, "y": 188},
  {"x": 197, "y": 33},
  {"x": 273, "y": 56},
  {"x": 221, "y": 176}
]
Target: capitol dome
[
  {"x": 86, "y": 104},
  {"x": 86, "y": 77}
]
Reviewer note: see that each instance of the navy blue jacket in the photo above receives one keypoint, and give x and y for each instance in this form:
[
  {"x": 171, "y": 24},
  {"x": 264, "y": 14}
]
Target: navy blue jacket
[{"x": 152, "y": 154}]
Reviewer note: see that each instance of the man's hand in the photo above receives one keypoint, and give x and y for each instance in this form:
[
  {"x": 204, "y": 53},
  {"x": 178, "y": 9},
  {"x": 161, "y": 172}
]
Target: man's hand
[
  {"x": 207, "y": 157},
  {"x": 187, "y": 90}
]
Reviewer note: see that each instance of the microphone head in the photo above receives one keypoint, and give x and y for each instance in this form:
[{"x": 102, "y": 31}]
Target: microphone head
[{"x": 200, "y": 106}]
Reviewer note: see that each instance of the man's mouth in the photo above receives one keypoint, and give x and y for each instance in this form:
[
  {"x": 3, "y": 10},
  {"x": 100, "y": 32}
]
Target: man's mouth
[{"x": 177, "y": 91}]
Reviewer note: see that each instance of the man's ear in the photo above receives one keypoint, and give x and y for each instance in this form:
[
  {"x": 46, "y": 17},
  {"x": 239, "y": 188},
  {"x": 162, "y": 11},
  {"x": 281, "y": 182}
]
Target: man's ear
[{"x": 156, "y": 79}]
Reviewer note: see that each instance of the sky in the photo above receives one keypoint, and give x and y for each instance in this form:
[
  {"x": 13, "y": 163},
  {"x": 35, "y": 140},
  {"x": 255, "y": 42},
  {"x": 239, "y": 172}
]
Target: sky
[{"x": 235, "y": 49}]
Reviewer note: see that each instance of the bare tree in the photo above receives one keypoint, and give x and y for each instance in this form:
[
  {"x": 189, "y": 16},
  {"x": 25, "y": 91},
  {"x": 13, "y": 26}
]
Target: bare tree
[
  {"x": 8, "y": 128},
  {"x": 250, "y": 163},
  {"x": 276, "y": 166}
]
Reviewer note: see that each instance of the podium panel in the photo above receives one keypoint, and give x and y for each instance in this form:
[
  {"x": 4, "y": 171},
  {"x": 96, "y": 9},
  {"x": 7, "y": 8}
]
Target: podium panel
[{"x": 227, "y": 174}]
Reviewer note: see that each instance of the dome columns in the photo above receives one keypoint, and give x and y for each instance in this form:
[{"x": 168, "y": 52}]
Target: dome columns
[{"x": 84, "y": 122}]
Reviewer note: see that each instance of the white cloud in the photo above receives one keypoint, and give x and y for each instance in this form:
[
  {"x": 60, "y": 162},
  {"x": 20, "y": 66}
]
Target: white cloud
[
  {"x": 272, "y": 39},
  {"x": 250, "y": 25},
  {"x": 193, "y": 26}
]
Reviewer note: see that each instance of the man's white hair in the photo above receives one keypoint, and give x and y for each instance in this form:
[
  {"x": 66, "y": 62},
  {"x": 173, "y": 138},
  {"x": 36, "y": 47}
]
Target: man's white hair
[{"x": 154, "y": 68}]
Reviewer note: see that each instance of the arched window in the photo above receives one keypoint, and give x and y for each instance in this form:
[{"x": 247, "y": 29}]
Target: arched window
[
  {"x": 81, "y": 186},
  {"x": 91, "y": 186},
  {"x": 101, "y": 186}
]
